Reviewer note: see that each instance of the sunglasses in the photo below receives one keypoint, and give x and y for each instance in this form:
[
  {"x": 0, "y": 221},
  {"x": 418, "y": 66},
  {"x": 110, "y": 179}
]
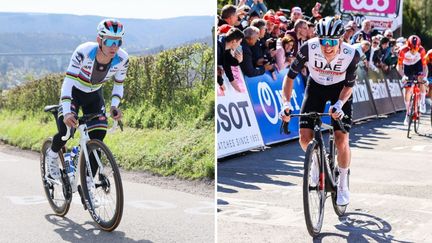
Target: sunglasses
[
  {"x": 111, "y": 42},
  {"x": 375, "y": 43},
  {"x": 329, "y": 42}
]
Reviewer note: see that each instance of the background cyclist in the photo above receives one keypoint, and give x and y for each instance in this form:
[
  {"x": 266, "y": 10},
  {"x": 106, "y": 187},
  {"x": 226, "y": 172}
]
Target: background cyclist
[{"x": 411, "y": 65}]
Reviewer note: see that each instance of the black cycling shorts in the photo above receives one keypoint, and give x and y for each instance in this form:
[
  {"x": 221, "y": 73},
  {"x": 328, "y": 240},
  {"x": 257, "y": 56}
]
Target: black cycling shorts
[{"x": 315, "y": 99}]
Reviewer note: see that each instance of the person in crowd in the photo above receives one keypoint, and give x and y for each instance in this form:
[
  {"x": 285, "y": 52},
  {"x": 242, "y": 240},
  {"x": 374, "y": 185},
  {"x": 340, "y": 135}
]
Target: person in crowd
[
  {"x": 284, "y": 53},
  {"x": 229, "y": 54},
  {"x": 391, "y": 57},
  {"x": 259, "y": 49},
  {"x": 349, "y": 32},
  {"x": 242, "y": 13},
  {"x": 362, "y": 48},
  {"x": 252, "y": 17},
  {"x": 381, "y": 52},
  {"x": 364, "y": 33},
  {"x": 311, "y": 30},
  {"x": 228, "y": 15},
  {"x": 373, "y": 49},
  {"x": 299, "y": 33},
  {"x": 256, "y": 6},
  {"x": 283, "y": 26},
  {"x": 251, "y": 35},
  {"x": 388, "y": 33},
  {"x": 296, "y": 14}
]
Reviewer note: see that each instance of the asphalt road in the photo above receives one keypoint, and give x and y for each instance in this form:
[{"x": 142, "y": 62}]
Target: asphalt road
[
  {"x": 260, "y": 193},
  {"x": 151, "y": 213}
]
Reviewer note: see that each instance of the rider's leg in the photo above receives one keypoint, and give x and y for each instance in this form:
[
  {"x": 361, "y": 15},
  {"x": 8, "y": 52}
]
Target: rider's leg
[
  {"x": 306, "y": 135},
  {"x": 343, "y": 149},
  {"x": 344, "y": 161},
  {"x": 96, "y": 128}
]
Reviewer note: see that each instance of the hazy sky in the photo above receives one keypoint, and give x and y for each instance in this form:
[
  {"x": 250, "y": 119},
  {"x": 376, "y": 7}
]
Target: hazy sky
[{"x": 143, "y": 9}]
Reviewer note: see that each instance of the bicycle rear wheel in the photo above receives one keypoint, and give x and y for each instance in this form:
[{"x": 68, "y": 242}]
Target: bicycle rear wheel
[
  {"x": 59, "y": 196},
  {"x": 106, "y": 205},
  {"x": 313, "y": 199}
]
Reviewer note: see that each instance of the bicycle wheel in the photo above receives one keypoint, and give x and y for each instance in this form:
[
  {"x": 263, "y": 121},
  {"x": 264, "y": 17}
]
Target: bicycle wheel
[
  {"x": 106, "y": 208},
  {"x": 410, "y": 115},
  {"x": 339, "y": 210},
  {"x": 313, "y": 199},
  {"x": 416, "y": 117},
  {"x": 59, "y": 195}
]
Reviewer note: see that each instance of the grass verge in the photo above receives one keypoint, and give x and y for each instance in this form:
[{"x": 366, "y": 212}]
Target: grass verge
[{"x": 183, "y": 151}]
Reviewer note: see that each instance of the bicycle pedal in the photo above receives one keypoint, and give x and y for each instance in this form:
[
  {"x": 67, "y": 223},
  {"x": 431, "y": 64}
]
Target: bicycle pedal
[{"x": 82, "y": 197}]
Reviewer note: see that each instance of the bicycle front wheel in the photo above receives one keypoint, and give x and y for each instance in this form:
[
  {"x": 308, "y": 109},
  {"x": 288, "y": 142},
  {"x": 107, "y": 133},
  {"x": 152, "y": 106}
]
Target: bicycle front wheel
[
  {"x": 313, "y": 198},
  {"x": 103, "y": 190}
]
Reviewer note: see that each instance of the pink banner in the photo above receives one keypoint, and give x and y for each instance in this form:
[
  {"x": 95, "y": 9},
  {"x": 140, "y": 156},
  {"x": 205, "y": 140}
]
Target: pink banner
[{"x": 371, "y": 6}]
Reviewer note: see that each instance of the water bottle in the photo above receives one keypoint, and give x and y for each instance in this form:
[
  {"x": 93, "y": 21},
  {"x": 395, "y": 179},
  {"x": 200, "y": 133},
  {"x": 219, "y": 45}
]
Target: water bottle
[
  {"x": 74, "y": 153},
  {"x": 70, "y": 170}
]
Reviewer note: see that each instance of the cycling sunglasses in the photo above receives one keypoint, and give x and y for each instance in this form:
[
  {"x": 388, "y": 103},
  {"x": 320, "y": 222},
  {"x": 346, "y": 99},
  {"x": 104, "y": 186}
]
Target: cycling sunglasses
[
  {"x": 111, "y": 42},
  {"x": 329, "y": 42}
]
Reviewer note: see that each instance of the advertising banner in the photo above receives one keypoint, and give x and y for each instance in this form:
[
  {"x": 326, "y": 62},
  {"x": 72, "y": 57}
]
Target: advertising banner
[
  {"x": 363, "y": 106},
  {"x": 237, "y": 127},
  {"x": 380, "y": 94},
  {"x": 371, "y": 6},
  {"x": 266, "y": 97},
  {"x": 393, "y": 80},
  {"x": 384, "y": 14}
]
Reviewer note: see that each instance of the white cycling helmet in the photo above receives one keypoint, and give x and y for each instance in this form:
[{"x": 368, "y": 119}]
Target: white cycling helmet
[
  {"x": 329, "y": 27},
  {"x": 111, "y": 28}
]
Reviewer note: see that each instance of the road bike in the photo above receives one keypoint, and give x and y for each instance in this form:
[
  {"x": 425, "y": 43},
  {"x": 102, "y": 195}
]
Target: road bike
[
  {"x": 100, "y": 188},
  {"x": 318, "y": 186},
  {"x": 414, "y": 107}
]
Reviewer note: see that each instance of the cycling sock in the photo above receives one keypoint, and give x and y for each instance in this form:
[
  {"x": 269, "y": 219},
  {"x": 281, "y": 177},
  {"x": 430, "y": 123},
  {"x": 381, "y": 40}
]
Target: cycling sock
[
  {"x": 423, "y": 98},
  {"x": 343, "y": 178},
  {"x": 52, "y": 153}
]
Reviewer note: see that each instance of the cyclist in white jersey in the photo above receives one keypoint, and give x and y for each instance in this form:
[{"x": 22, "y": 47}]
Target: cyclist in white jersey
[
  {"x": 92, "y": 64},
  {"x": 332, "y": 64}
]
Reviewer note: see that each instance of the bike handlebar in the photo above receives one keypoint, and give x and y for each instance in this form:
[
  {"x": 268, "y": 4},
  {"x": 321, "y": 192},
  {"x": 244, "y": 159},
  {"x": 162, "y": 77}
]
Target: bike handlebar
[
  {"x": 88, "y": 117},
  {"x": 314, "y": 115}
]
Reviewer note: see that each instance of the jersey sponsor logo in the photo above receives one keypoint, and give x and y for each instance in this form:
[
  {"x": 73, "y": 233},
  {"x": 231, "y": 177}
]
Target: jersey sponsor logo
[
  {"x": 79, "y": 57},
  {"x": 314, "y": 46},
  {"x": 346, "y": 51},
  {"x": 377, "y": 5},
  {"x": 328, "y": 67}
]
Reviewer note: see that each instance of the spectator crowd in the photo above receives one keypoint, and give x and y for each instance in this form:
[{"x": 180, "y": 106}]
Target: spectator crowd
[{"x": 258, "y": 39}]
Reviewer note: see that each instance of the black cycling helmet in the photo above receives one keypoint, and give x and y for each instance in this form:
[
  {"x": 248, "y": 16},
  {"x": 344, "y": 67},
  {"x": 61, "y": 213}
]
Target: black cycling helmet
[{"x": 330, "y": 27}]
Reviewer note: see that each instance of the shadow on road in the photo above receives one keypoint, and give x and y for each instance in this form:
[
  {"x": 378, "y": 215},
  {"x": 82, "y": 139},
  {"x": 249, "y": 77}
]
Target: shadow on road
[
  {"x": 361, "y": 227},
  {"x": 73, "y": 232},
  {"x": 253, "y": 168}
]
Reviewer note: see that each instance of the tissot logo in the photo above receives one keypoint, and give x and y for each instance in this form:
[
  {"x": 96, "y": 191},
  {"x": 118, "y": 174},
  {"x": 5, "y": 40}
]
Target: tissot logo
[{"x": 328, "y": 66}]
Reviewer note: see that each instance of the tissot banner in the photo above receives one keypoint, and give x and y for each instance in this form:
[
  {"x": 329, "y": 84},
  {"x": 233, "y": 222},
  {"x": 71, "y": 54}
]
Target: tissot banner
[{"x": 237, "y": 128}]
